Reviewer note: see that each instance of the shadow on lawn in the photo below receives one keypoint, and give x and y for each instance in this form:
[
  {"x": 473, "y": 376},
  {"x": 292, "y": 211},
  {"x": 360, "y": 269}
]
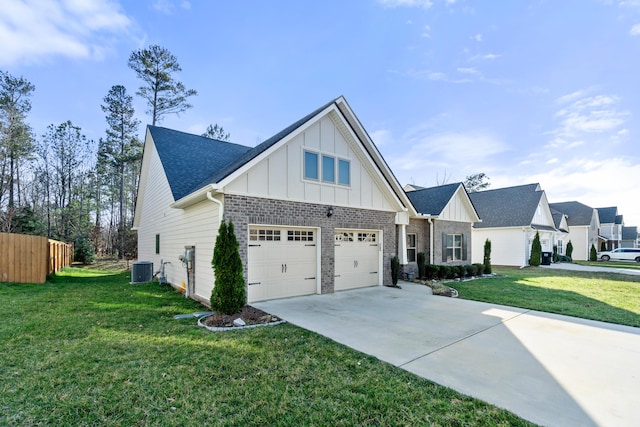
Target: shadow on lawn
[{"x": 522, "y": 291}]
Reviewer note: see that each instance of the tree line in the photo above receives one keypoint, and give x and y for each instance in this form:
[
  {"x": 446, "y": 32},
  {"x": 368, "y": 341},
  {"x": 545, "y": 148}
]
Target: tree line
[{"x": 63, "y": 186}]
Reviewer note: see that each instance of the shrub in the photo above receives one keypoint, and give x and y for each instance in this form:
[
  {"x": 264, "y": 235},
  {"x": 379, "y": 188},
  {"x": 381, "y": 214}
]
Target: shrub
[
  {"x": 569, "y": 251},
  {"x": 82, "y": 250},
  {"x": 564, "y": 258},
  {"x": 603, "y": 246},
  {"x": 229, "y": 294},
  {"x": 395, "y": 270},
  {"x": 443, "y": 271},
  {"x": 487, "y": 257},
  {"x": 431, "y": 271},
  {"x": 555, "y": 253},
  {"x": 460, "y": 271},
  {"x": 422, "y": 260},
  {"x": 593, "y": 254},
  {"x": 470, "y": 270},
  {"x": 477, "y": 269},
  {"x": 536, "y": 251}
]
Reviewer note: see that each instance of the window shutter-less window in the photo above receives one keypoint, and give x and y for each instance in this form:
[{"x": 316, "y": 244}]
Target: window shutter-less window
[{"x": 444, "y": 247}]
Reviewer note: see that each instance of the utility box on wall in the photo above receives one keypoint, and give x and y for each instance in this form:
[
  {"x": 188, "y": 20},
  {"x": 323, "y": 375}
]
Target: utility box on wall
[{"x": 141, "y": 272}]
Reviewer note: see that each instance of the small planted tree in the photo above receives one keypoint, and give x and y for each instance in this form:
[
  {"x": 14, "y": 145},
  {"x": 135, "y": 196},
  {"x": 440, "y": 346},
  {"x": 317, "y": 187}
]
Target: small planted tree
[
  {"x": 422, "y": 263},
  {"x": 395, "y": 270},
  {"x": 536, "y": 251},
  {"x": 569, "y": 251},
  {"x": 487, "y": 257},
  {"x": 555, "y": 253},
  {"x": 593, "y": 254},
  {"x": 603, "y": 246},
  {"x": 229, "y": 293}
]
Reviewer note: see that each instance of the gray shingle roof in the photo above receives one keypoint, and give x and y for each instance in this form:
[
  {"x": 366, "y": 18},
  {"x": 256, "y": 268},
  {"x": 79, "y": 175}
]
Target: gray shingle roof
[
  {"x": 619, "y": 219},
  {"x": 431, "y": 201},
  {"x": 188, "y": 160},
  {"x": 629, "y": 233},
  {"x": 192, "y": 162},
  {"x": 506, "y": 207},
  {"x": 608, "y": 215},
  {"x": 557, "y": 218},
  {"x": 577, "y": 213}
]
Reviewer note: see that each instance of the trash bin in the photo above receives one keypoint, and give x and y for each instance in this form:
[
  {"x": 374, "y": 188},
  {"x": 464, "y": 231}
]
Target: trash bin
[{"x": 546, "y": 258}]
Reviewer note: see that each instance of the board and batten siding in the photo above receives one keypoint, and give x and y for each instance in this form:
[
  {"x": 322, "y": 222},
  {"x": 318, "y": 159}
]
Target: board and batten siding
[
  {"x": 196, "y": 225},
  {"x": 280, "y": 175},
  {"x": 457, "y": 209}
]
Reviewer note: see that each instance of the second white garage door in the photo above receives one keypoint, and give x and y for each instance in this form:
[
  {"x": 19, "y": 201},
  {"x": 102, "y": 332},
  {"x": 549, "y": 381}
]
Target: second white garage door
[
  {"x": 282, "y": 262},
  {"x": 357, "y": 255}
]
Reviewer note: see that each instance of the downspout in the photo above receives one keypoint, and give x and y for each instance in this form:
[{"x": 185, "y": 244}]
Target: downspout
[
  {"x": 526, "y": 247},
  {"x": 220, "y": 206},
  {"x": 431, "y": 249}
]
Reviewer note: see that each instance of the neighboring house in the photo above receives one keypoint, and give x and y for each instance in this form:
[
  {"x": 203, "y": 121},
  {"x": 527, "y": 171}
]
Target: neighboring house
[
  {"x": 611, "y": 224},
  {"x": 442, "y": 227},
  {"x": 583, "y": 224},
  {"x": 510, "y": 219},
  {"x": 629, "y": 237},
  {"x": 316, "y": 208},
  {"x": 562, "y": 230}
]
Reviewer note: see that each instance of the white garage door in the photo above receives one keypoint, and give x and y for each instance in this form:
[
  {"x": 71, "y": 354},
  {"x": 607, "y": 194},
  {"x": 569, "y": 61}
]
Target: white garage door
[
  {"x": 282, "y": 262},
  {"x": 357, "y": 255}
]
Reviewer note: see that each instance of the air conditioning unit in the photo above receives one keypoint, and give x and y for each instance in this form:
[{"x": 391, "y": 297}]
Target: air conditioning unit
[{"x": 141, "y": 272}]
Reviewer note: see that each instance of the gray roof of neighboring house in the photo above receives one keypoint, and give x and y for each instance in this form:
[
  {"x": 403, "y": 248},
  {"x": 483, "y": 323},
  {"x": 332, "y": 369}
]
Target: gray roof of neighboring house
[
  {"x": 433, "y": 200},
  {"x": 557, "y": 219},
  {"x": 576, "y": 212},
  {"x": 506, "y": 207},
  {"x": 608, "y": 215},
  {"x": 629, "y": 233},
  {"x": 192, "y": 162},
  {"x": 619, "y": 219}
]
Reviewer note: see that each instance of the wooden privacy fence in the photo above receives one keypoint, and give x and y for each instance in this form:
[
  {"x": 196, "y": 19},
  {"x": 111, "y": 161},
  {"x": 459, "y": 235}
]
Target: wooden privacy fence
[{"x": 28, "y": 259}]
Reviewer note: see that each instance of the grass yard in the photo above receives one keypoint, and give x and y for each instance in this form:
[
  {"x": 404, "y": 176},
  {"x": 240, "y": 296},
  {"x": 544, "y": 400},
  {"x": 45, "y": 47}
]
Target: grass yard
[
  {"x": 613, "y": 298},
  {"x": 614, "y": 264},
  {"x": 89, "y": 349}
]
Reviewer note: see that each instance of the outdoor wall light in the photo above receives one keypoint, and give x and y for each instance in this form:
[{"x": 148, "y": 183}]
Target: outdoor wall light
[{"x": 329, "y": 211}]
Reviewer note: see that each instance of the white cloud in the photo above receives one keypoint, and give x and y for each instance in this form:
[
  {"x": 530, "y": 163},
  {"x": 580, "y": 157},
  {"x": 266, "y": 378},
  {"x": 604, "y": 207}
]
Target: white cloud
[
  {"x": 486, "y": 57},
  {"x": 468, "y": 70},
  {"x": 426, "y": 4},
  {"x": 426, "y": 33},
  {"x": 168, "y": 6},
  {"x": 635, "y": 30},
  {"x": 33, "y": 30},
  {"x": 381, "y": 137},
  {"x": 477, "y": 37}
]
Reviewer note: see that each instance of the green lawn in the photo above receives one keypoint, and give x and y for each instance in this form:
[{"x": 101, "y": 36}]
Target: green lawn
[
  {"x": 613, "y": 298},
  {"x": 615, "y": 264},
  {"x": 95, "y": 350}
]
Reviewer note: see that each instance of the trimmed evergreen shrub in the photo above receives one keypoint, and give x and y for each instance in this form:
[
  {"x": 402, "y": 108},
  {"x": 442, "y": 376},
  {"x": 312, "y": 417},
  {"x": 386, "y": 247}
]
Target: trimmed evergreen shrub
[
  {"x": 477, "y": 269},
  {"x": 431, "y": 271},
  {"x": 395, "y": 270},
  {"x": 422, "y": 260},
  {"x": 569, "y": 251},
  {"x": 564, "y": 258},
  {"x": 487, "y": 257},
  {"x": 536, "y": 251},
  {"x": 555, "y": 253},
  {"x": 593, "y": 254},
  {"x": 470, "y": 270},
  {"x": 229, "y": 293},
  {"x": 603, "y": 246},
  {"x": 443, "y": 271},
  {"x": 460, "y": 271}
]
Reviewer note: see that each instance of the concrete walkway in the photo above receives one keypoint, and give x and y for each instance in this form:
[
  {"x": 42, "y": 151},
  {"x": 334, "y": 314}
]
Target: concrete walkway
[{"x": 550, "y": 369}]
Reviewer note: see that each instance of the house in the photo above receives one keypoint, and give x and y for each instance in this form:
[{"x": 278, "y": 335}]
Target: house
[
  {"x": 510, "y": 219},
  {"x": 611, "y": 226},
  {"x": 629, "y": 237},
  {"x": 583, "y": 224},
  {"x": 316, "y": 209},
  {"x": 442, "y": 227}
]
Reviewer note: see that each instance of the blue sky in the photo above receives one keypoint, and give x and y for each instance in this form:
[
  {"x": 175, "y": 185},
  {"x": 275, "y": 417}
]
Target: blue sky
[{"x": 524, "y": 91}]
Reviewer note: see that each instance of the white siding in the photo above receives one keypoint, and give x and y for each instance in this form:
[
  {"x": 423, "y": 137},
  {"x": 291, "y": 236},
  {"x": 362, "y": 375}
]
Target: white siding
[
  {"x": 196, "y": 226},
  {"x": 579, "y": 236},
  {"x": 280, "y": 175},
  {"x": 507, "y": 246},
  {"x": 458, "y": 209}
]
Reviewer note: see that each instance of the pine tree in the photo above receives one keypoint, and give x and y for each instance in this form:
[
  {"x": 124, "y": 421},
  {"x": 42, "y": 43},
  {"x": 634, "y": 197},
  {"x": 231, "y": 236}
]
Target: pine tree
[
  {"x": 569, "y": 250},
  {"x": 593, "y": 254},
  {"x": 229, "y": 292},
  {"x": 487, "y": 257},
  {"x": 536, "y": 251}
]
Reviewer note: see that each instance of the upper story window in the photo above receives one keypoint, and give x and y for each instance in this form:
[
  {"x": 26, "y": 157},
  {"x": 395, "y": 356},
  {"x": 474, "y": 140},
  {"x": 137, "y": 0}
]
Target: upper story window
[{"x": 331, "y": 169}]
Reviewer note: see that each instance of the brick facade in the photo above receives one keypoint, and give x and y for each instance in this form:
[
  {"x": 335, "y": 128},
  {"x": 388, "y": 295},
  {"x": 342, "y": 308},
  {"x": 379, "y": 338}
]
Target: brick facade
[{"x": 243, "y": 211}]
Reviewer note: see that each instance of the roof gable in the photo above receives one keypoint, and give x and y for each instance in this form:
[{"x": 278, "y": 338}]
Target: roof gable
[
  {"x": 507, "y": 207},
  {"x": 433, "y": 200},
  {"x": 608, "y": 215}
]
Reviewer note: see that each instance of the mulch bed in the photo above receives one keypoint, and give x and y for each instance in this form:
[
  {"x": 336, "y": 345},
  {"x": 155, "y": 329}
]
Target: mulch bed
[{"x": 250, "y": 315}]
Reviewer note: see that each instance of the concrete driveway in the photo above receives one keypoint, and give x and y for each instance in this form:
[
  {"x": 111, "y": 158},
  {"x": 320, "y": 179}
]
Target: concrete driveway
[{"x": 550, "y": 369}]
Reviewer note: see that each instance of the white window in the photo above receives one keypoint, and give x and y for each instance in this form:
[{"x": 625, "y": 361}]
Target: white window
[
  {"x": 367, "y": 237},
  {"x": 264, "y": 235},
  {"x": 344, "y": 237},
  {"x": 454, "y": 247},
  {"x": 327, "y": 168},
  {"x": 560, "y": 246},
  {"x": 300, "y": 236},
  {"x": 411, "y": 247}
]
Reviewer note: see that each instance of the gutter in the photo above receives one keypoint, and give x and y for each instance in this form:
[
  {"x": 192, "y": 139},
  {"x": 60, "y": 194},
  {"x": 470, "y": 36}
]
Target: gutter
[{"x": 220, "y": 206}]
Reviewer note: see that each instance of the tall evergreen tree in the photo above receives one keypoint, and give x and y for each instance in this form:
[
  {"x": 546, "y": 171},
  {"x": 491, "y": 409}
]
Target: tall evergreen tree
[
  {"x": 229, "y": 293},
  {"x": 536, "y": 251},
  {"x": 156, "y": 67},
  {"x": 120, "y": 149},
  {"x": 16, "y": 139}
]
